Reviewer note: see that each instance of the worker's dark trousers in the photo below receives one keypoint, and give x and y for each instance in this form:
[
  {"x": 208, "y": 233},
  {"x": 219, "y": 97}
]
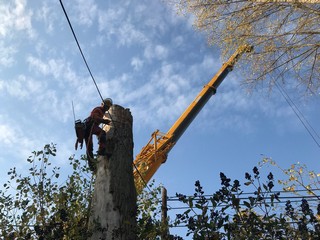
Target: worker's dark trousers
[{"x": 101, "y": 134}]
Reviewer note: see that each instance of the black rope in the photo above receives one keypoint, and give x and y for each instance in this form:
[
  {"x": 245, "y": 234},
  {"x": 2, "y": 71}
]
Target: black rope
[{"x": 83, "y": 57}]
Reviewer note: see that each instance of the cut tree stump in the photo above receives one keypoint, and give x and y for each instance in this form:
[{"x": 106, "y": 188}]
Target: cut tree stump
[{"x": 113, "y": 207}]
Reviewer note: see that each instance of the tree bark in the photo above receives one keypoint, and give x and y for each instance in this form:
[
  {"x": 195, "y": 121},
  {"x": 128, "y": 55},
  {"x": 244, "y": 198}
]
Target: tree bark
[{"x": 113, "y": 208}]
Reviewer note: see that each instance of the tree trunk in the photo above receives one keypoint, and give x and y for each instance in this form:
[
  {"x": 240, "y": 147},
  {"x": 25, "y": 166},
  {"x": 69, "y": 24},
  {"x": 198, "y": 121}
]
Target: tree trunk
[{"x": 113, "y": 211}]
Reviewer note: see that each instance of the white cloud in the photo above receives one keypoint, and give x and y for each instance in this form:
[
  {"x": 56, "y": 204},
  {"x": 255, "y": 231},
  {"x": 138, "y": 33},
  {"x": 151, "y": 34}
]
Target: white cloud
[
  {"x": 7, "y": 134},
  {"x": 178, "y": 41},
  {"x": 161, "y": 52},
  {"x": 63, "y": 85},
  {"x": 7, "y": 55},
  {"x": 172, "y": 108},
  {"x": 136, "y": 63},
  {"x": 47, "y": 103},
  {"x": 138, "y": 96},
  {"x": 117, "y": 23},
  {"x": 86, "y": 12},
  {"x": 168, "y": 91},
  {"x": 233, "y": 99},
  {"x": 22, "y": 21},
  {"x": 46, "y": 15},
  {"x": 22, "y": 87},
  {"x": 172, "y": 82},
  {"x": 210, "y": 63},
  {"x": 51, "y": 67},
  {"x": 13, "y": 139},
  {"x": 108, "y": 19},
  {"x": 38, "y": 65},
  {"x": 204, "y": 70},
  {"x": 158, "y": 52},
  {"x": 14, "y": 16},
  {"x": 59, "y": 69},
  {"x": 128, "y": 34}
]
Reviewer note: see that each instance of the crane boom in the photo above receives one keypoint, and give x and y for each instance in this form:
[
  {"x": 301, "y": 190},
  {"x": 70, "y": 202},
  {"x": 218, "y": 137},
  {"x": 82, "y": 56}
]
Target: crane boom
[{"x": 156, "y": 151}]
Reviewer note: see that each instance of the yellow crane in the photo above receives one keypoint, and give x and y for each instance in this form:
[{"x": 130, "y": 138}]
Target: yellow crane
[{"x": 156, "y": 151}]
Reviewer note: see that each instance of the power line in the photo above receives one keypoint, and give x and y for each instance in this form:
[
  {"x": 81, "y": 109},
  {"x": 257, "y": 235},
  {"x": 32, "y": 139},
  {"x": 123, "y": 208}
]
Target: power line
[
  {"x": 175, "y": 198},
  {"x": 265, "y": 198},
  {"x": 278, "y": 202},
  {"x": 83, "y": 57},
  {"x": 312, "y": 132},
  {"x": 241, "y": 224}
]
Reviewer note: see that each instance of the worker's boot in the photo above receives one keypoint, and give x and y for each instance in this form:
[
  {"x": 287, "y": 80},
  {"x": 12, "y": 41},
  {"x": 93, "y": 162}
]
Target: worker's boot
[
  {"x": 92, "y": 166},
  {"x": 91, "y": 161},
  {"x": 102, "y": 144},
  {"x": 102, "y": 151}
]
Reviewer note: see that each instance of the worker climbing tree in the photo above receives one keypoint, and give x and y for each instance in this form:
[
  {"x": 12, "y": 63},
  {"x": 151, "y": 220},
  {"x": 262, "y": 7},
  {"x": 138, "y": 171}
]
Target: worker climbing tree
[{"x": 91, "y": 126}]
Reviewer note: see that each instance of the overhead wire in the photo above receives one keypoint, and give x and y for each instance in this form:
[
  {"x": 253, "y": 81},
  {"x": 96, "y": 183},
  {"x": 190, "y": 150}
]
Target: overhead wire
[
  {"x": 175, "y": 198},
  {"x": 312, "y": 132},
  {"x": 186, "y": 226},
  {"x": 240, "y": 204},
  {"x": 277, "y": 202},
  {"x": 315, "y": 198}
]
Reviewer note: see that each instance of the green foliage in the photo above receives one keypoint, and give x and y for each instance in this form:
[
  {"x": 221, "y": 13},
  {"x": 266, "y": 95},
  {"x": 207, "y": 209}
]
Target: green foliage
[
  {"x": 149, "y": 212},
  {"x": 149, "y": 223},
  {"x": 299, "y": 177},
  {"x": 38, "y": 207},
  {"x": 230, "y": 214},
  {"x": 41, "y": 205}
]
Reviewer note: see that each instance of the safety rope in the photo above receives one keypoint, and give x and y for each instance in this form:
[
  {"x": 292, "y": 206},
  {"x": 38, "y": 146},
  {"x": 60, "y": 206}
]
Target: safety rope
[{"x": 83, "y": 57}]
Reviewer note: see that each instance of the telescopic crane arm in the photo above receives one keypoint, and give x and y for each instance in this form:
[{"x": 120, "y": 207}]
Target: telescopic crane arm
[{"x": 156, "y": 151}]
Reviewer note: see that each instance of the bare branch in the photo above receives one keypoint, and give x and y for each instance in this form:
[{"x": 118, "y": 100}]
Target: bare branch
[{"x": 286, "y": 36}]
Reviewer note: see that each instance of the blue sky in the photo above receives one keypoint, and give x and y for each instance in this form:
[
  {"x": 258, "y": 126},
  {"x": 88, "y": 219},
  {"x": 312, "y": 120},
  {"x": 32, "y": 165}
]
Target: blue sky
[{"x": 151, "y": 60}]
